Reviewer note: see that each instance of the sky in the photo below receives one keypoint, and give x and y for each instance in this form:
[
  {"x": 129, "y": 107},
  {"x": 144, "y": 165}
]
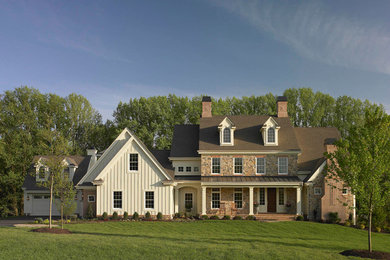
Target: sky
[{"x": 111, "y": 51}]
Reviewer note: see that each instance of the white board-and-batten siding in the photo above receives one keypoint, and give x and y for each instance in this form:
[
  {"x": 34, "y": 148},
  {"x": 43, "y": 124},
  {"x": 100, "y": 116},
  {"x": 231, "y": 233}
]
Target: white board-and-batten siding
[{"x": 117, "y": 177}]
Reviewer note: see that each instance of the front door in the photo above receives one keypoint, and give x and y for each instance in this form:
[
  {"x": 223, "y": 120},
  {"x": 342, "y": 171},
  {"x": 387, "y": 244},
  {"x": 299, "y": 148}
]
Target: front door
[{"x": 271, "y": 200}]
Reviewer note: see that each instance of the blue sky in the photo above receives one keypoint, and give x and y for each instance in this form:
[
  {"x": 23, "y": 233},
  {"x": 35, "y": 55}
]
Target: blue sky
[{"x": 110, "y": 51}]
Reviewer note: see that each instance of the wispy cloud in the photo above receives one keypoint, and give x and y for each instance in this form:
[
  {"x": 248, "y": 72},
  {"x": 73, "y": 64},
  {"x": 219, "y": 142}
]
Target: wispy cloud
[{"x": 317, "y": 33}]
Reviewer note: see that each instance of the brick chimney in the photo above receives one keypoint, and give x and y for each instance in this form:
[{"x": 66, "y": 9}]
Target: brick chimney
[
  {"x": 206, "y": 107},
  {"x": 281, "y": 103}
]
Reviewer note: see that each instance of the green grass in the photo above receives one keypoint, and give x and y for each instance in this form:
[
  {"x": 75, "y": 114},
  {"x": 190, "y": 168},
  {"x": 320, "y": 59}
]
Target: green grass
[{"x": 189, "y": 240}]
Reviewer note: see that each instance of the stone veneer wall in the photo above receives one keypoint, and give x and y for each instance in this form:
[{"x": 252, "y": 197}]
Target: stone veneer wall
[{"x": 249, "y": 164}]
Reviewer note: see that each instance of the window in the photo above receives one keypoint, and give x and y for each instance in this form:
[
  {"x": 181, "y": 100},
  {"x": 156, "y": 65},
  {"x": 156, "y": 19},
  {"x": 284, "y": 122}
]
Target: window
[
  {"x": 345, "y": 191},
  {"x": 188, "y": 200},
  {"x": 149, "y": 199},
  {"x": 260, "y": 165},
  {"x": 196, "y": 169},
  {"x": 226, "y": 135},
  {"x": 283, "y": 165},
  {"x": 117, "y": 199},
  {"x": 216, "y": 165},
  {"x": 188, "y": 169},
  {"x": 181, "y": 169},
  {"x": 37, "y": 197},
  {"x": 262, "y": 196},
  {"x": 281, "y": 196},
  {"x": 317, "y": 191},
  {"x": 238, "y": 198},
  {"x": 271, "y": 135},
  {"x": 215, "y": 198},
  {"x": 46, "y": 196},
  {"x": 237, "y": 165},
  {"x": 91, "y": 198},
  {"x": 133, "y": 166},
  {"x": 42, "y": 172}
]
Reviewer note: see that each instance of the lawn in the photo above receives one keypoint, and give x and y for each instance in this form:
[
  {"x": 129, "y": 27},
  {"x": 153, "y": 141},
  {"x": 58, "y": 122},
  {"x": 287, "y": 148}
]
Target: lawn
[{"x": 188, "y": 240}]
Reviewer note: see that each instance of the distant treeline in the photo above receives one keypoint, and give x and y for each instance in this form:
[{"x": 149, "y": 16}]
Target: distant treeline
[{"x": 26, "y": 115}]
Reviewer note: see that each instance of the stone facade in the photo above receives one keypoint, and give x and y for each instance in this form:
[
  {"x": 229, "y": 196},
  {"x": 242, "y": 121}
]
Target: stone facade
[{"x": 249, "y": 164}]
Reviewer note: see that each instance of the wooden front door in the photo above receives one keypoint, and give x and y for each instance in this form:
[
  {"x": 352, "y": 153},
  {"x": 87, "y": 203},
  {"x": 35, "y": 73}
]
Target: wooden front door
[{"x": 271, "y": 200}]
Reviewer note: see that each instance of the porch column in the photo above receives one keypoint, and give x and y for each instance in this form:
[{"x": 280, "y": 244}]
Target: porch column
[
  {"x": 299, "y": 201},
  {"x": 203, "y": 200},
  {"x": 176, "y": 199},
  {"x": 250, "y": 200}
]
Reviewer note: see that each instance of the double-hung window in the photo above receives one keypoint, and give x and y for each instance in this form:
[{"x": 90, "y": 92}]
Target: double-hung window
[
  {"x": 283, "y": 165},
  {"x": 226, "y": 136},
  {"x": 281, "y": 196},
  {"x": 215, "y": 198},
  {"x": 260, "y": 165},
  {"x": 149, "y": 199},
  {"x": 91, "y": 198},
  {"x": 188, "y": 169},
  {"x": 42, "y": 172},
  {"x": 238, "y": 165},
  {"x": 271, "y": 135},
  {"x": 216, "y": 165},
  {"x": 133, "y": 159},
  {"x": 262, "y": 196},
  {"x": 238, "y": 198},
  {"x": 117, "y": 199}
]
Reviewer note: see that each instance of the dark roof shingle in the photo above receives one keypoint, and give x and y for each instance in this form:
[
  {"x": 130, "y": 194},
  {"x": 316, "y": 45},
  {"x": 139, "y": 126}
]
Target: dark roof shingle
[
  {"x": 162, "y": 158},
  {"x": 185, "y": 141}
]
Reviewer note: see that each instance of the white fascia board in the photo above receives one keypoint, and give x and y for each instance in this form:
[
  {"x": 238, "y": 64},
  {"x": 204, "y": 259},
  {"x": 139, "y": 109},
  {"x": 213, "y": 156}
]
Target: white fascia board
[{"x": 317, "y": 172}]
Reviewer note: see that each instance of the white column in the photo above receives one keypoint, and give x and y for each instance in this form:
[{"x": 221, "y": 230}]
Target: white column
[
  {"x": 354, "y": 211},
  {"x": 250, "y": 200},
  {"x": 172, "y": 201},
  {"x": 299, "y": 201},
  {"x": 176, "y": 199},
  {"x": 203, "y": 200}
]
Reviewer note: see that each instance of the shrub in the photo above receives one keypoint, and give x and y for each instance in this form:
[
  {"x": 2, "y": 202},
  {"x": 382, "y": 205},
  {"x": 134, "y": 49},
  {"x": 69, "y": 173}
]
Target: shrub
[
  {"x": 148, "y": 216},
  {"x": 214, "y": 217},
  {"x": 250, "y": 217},
  {"x": 105, "y": 216},
  {"x": 39, "y": 220},
  {"x": 188, "y": 215},
  {"x": 197, "y": 216},
  {"x": 177, "y": 215},
  {"x": 125, "y": 215},
  {"x": 299, "y": 218},
  {"x": 347, "y": 223},
  {"x": 204, "y": 217},
  {"x": 237, "y": 218},
  {"x": 115, "y": 215},
  {"x": 90, "y": 212},
  {"x": 377, "y": 229},
  {"x": 46, "y": 221},
  {"x": 136, "y": 216},
  {"x": 159, "y": 216},
  {"x": 362, "y": 226},
  {"x": 226, "y": 217},
  {"x": 333, "y": 217}
]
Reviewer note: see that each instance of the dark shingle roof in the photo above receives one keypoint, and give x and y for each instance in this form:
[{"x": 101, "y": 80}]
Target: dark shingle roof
[
  {"x": 312, "y": 142},
  {"x": 250, "y": 179},
  {"x": 185, "y": 141},
  {"x": 247, "y": 135},
  {"x": 162, "y": 158},
  {"x": 188, "y": 178}
]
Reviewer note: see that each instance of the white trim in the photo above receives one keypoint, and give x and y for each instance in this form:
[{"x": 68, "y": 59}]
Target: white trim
[
  {"x": 211, "y": 201},
  {"x": 265, "y": 166},
  {"x": 113, "y": 207},
  {"x": 154, "y": 200},
  {"x": 133, "y": 171},
  {"x": 91, "y": 196},
  {"x": 211, "y": 170},
  {"x": 346, "y": 193},
  {"x": 317, "y": 172},
  {"x": 242, "y": 197},
  {"x": 282, "y": 173},
  {"x": 234, "y": 166}
]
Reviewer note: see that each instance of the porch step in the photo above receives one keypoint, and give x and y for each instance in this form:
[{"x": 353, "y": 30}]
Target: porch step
[{"x": 275, "y": 217}]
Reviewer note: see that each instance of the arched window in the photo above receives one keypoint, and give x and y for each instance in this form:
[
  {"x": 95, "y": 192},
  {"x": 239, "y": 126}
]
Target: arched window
[
  {"x": 42, "y": 172},
  {"x": 271, "y": 135},
  {"x": 226, "y": 135}
]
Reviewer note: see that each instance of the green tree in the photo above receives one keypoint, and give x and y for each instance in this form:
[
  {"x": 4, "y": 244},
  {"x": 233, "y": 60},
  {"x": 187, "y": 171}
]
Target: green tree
[
  {"x": 64, "y": 190},
  {"x": 362, "y": 162}
]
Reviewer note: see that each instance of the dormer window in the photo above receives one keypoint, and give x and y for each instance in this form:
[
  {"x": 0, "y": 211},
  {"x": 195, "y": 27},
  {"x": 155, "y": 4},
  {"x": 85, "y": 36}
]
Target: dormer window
[
  {"x": 226, "y": 136},
  {"x": 270, "y": 132},
  {"x": 42, "y": 172},
  {"x": 271, "y": 135},
  {"x": 226, "y": 132}
]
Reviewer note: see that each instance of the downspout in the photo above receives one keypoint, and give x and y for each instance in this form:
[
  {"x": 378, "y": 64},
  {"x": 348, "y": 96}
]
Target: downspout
[{"x": 354, "y": 211}]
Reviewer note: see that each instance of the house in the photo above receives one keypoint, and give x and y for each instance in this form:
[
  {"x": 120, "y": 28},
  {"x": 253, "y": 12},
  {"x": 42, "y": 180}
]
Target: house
[{"x": 225, "y": 165}]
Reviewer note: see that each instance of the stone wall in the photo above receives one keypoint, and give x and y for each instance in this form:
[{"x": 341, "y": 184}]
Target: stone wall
[
  {"x": 249, "y": 164},
  {"x": 227, "y": 202}
]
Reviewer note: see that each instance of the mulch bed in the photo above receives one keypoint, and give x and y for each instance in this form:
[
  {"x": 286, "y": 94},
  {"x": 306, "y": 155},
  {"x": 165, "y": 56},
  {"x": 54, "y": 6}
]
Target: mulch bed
[
  {"x": 52, "y": 230},
  {"x": 366, "y": 254}
]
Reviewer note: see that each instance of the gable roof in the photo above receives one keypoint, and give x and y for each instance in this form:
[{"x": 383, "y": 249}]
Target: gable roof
[
  {"x": 247, "y": 136},
  {"x": 162, "y": 158},
  {"x": 312, "y": 142},
  {"x": 185, "y": 141}
]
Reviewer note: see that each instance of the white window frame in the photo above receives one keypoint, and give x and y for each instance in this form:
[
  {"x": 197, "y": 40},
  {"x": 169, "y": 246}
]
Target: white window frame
[
  {"x": 265, "y": 201},
  {"x": 39, "y": 171},
  {"x": 213, "y": 190},
  {"x": 192, "y": 199},
  {"x": 180, "y": 167},
  {"x": 242, "y": 165},
  {"x": 274, "y": 131},
  {"x": 223, "y": 135},
  {"x": 317, "y": 191},
  {"x": 212, "y": 158},
  {"x": 238, "y": 191},
  {"x": 113, "y": 199},
  {"x": 282, "y": 173},
  {"x": 130, "y": 170},
  {"x": 91, "y": 196},
  {"x": 154, "y": 200},
  {"x": 284, "y": 196},
  {"x": 265, "y": 166},
  {"x": 346, "y": 191}
]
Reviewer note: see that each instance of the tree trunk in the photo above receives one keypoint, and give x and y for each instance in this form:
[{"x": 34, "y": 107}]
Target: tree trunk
[
  {"x": 369, "y": 230},
  {"x": 62, "y": 218},
  {"x": 51, "y": 200}
]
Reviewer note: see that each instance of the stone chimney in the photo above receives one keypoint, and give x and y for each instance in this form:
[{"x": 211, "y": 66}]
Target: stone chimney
[
  {"x": 281, "y": 103},
  {"x": 206, "y": 107},
  {"x": 92, "y": 152}
]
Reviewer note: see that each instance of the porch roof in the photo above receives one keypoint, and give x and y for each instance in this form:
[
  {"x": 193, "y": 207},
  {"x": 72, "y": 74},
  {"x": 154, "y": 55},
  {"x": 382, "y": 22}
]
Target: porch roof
[{"x": 251, "y": 179}]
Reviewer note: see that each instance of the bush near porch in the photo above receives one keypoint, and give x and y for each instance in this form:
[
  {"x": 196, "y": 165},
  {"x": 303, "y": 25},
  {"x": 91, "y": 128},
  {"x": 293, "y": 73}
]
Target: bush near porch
[{"x": 216, "y": 239}]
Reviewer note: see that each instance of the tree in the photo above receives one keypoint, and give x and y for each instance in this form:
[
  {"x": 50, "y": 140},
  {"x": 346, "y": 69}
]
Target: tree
[
  {"x": 64, "y": 190},
  {"x": 362, "y": 162}
]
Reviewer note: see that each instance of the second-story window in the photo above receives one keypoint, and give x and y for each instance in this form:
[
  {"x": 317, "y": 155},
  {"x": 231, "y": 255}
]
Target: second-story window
[
  {"x": 42, "y": 172},
  {"x": 133, "y": 159},
  {"x": 188, "y": 169},
  {"x": 216, "y": 165},
  {"x": 260, "y": 165},
  {"x": 226, "y": 136},
  {"x": 271, "y": 135},
  {"x": 238, "y": 165},
  {"x": 283, "y": 165}
]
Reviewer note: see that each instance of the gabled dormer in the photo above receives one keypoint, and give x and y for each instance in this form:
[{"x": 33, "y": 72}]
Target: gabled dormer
[
  {"x": 226, "y": 132},
  {"x": 270, "y": 132}
]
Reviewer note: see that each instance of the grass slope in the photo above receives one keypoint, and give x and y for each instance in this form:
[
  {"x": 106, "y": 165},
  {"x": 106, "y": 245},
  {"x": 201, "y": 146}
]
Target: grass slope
[{"x": 189, "y": 240}]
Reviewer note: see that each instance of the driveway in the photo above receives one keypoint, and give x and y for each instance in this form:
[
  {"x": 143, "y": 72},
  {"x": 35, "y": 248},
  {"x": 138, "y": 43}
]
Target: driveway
[{"x": 9, "y": 222}]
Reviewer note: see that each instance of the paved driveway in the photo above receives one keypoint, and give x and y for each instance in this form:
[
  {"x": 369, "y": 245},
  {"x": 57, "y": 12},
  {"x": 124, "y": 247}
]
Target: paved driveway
[{"x": 9, "y": 222}]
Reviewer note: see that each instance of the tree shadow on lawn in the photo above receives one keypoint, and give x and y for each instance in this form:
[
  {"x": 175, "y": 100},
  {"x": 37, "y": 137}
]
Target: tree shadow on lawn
[{"x": 299, "y": 242}]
